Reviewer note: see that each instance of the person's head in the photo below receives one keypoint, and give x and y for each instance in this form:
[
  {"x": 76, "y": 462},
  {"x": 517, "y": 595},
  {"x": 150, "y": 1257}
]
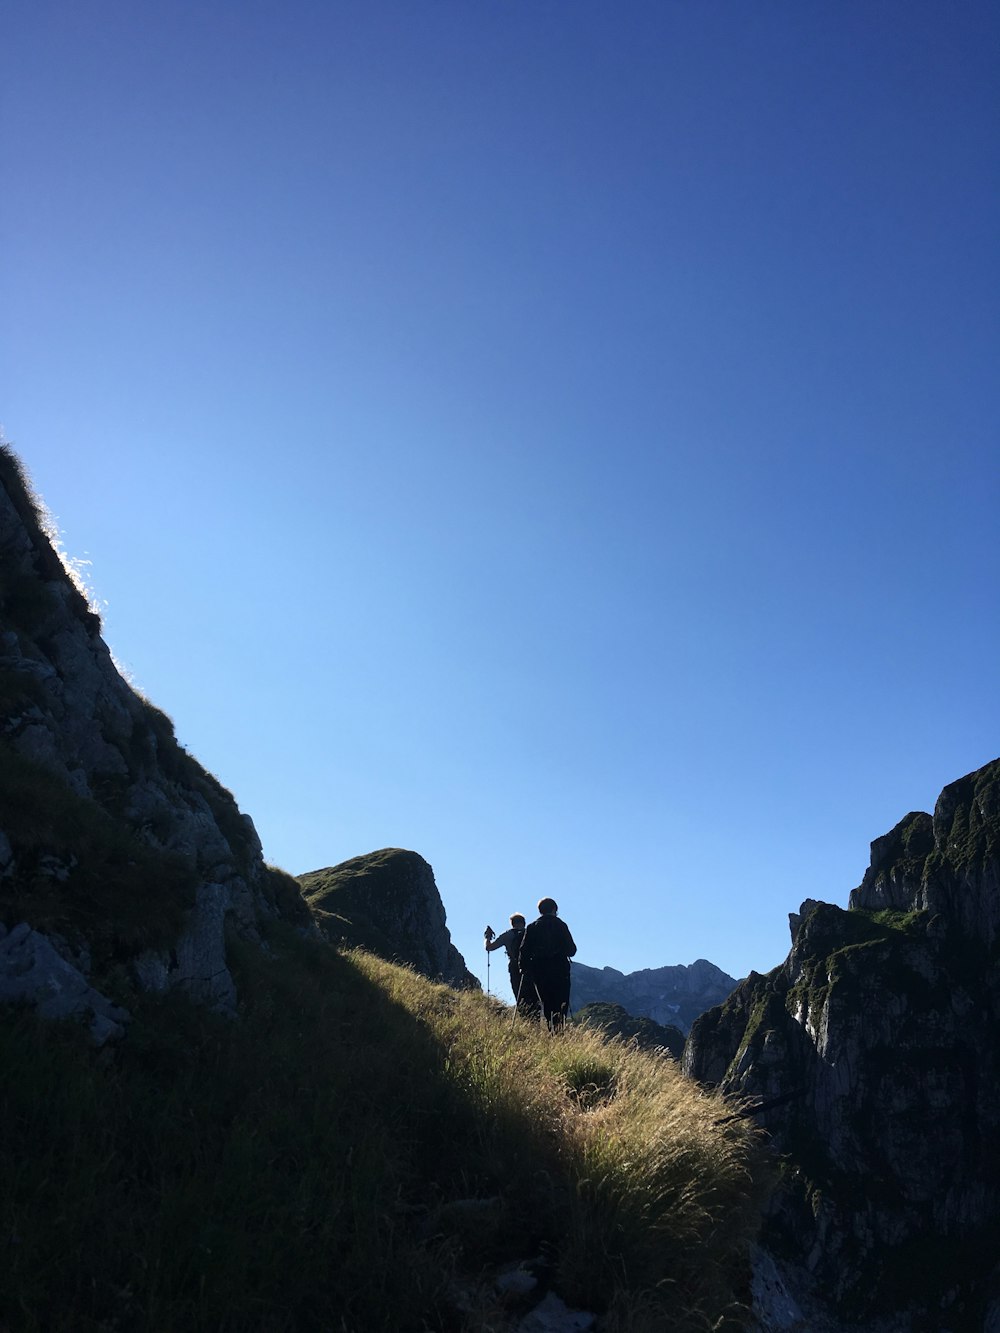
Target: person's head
[
  {"x": 548, "y": 907},
  {"x": 517, "y": 921}
]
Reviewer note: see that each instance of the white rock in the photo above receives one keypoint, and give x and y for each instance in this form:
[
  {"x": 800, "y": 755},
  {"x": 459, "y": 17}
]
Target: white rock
[
  {"x": 553, "y": 1315},
  {"x": 34, "y": 972}
]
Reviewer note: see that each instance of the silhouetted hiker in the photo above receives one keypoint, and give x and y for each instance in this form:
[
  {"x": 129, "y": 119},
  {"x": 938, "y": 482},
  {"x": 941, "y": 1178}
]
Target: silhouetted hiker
[
  {"x": 511, "y": 941},
  {"x": 546, "y": 949}
]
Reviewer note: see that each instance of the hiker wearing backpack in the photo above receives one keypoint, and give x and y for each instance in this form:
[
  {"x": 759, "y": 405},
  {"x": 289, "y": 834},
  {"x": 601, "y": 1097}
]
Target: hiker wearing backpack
[
  {"x": 511, "y": 941},
  {"x": 546, "y": 949}
]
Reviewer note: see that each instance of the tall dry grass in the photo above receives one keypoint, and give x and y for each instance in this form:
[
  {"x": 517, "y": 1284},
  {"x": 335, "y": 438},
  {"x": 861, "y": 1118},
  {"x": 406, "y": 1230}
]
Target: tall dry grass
[
  {"x": 649, "y": 1200},
  {"x": 359, "y": 1152}
]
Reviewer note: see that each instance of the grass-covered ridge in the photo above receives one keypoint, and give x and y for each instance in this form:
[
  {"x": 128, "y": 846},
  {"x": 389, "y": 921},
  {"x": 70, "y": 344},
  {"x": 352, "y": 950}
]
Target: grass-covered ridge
[
  {"x": 387, "y": 903},
  {"x": 351, "y": 900},
  {"x": 305, "y": 1166}
]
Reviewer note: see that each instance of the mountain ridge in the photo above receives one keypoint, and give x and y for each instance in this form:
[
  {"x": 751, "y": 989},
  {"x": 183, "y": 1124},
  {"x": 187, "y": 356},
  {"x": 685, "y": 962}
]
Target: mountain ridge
[
  {"x": 672, "y": 996},
  {"x": 871, "y": 1053}
]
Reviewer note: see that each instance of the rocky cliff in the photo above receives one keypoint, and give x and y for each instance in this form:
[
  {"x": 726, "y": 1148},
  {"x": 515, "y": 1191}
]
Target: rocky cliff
[
  {"x": 673, "y": 996},
  {"x": 388, "y": 902},
  {"x": 872, "y": 1053},
  {"x": 119, "y": 853}
]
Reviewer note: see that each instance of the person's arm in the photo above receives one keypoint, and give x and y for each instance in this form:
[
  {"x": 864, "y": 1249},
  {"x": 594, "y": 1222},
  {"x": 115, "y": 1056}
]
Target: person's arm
[
  {"x": 570, "y": 944},
  {"x": 497, "y": 942}
]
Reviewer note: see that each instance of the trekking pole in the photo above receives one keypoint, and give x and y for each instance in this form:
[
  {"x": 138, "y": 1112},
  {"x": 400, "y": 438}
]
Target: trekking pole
[{"x": 489, "y": 934}]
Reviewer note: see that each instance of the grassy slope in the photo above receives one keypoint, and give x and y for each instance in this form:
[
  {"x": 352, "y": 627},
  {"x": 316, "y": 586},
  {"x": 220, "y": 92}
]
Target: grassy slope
[{"x": 298, "y": 1169}]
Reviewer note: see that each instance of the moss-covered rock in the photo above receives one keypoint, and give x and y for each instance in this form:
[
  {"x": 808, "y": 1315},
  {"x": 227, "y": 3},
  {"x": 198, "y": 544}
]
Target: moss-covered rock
[
  {"x": 947, "y": 864},
  {"x": 387, "y": 902}
]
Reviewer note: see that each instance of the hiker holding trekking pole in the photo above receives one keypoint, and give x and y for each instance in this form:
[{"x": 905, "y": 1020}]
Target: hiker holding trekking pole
[
  {"x": 546, "y": 948},
  {"x": 510, "y": 940}
]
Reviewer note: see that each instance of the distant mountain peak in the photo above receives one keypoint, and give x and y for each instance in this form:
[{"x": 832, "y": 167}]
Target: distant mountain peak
[{"x": 672, "y": 996}]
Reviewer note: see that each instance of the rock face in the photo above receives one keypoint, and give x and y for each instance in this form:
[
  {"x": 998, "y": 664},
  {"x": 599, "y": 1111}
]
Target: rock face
[
  {"x": 872, "y": 1052},
  {"x": 116, "y": 847},
  {"x": 388, "y": 902},
  {"x": 673, "y": 996},
  {"x": 34, "y": 972}
]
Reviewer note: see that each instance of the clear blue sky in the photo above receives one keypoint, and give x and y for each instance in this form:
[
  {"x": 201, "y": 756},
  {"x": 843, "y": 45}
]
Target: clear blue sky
[{"x": 560, "y": 438}]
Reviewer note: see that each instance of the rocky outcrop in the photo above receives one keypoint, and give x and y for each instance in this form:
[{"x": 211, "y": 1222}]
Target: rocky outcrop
[
  {"x": 871, "y": 1054},
  {"x": 615, "y": 1021},
  {"x": 388, "y": 902},
  {"x": 673, "y": 996},
  {"x": 948, "y": 864},
  {"x": 34, "y": 972},
  {"x": 115, "y": 844}
]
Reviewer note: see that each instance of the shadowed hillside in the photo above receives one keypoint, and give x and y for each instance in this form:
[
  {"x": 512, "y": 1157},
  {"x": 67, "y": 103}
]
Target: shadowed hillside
[{"x": 363, "y": 1150}]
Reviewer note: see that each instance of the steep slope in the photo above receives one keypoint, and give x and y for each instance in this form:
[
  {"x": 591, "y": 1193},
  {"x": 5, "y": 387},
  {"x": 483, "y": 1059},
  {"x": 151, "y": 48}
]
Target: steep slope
[
  {"x": 674, "y": 996},
  {"x": 875, "y": 1046},
  {"x": 119, "y": 853},
  {"x": 388, "y": 902}
]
